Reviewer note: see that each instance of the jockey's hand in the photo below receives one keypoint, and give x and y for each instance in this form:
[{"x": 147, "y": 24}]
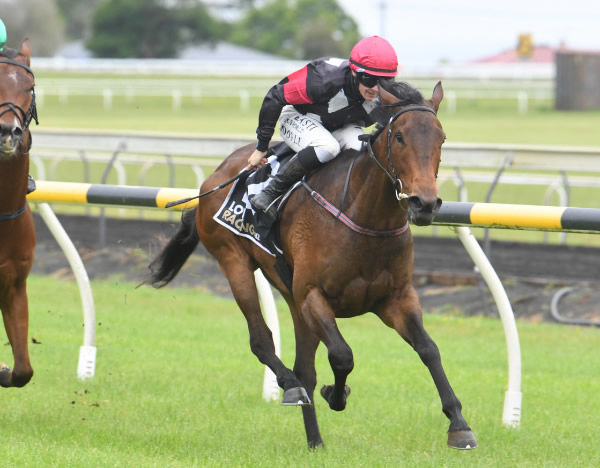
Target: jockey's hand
[{"x": 257, "y": 159}]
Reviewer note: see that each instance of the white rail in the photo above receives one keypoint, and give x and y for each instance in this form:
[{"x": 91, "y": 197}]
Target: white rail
[{"x": 216, "y": 147}]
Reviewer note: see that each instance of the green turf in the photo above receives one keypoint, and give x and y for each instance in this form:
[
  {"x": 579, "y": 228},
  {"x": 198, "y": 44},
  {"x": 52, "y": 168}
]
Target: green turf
[{"x": 176, "y": 385}]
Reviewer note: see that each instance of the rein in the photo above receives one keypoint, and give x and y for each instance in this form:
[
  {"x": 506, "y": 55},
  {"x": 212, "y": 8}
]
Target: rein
[
  {"x": 396, "y": 182},
  {"x": 14, "y": 214}
]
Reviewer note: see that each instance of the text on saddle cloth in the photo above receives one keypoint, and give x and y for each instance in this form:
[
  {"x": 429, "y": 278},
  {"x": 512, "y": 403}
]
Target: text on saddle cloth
[{"x": 237, "y": 214}]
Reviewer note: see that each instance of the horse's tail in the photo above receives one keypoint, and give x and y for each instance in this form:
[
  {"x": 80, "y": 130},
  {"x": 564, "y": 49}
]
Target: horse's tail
[{"x": 168, "y": 263}]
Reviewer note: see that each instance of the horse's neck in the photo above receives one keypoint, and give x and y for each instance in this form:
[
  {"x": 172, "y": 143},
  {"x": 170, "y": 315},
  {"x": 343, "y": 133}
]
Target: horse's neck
[
  {"x": 13, "y": 182},
  {"x": 372, "y": 199}
]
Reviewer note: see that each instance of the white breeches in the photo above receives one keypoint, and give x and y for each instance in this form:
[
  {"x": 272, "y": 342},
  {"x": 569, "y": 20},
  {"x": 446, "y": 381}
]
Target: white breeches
[{"x": 299, "y": 131}]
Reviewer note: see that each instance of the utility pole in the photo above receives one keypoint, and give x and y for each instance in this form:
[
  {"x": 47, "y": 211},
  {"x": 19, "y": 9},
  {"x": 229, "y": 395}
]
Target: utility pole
[{"x": 382, "y": 17}]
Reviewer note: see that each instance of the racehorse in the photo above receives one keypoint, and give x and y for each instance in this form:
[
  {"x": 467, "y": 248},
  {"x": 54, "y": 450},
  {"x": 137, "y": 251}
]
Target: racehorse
[
  {"x": 345, "y": 260},
  {"x": 17, "y": 231}
]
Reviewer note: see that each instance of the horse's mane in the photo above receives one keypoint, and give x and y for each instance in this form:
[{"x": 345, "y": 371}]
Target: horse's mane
[
  {"x": 9, "y": 53},
  {"x": 405, "y": 93}
]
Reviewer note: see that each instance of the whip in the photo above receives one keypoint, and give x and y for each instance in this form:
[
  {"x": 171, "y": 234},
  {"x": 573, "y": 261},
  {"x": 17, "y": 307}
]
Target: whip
[{"x": 219, "y": 187}]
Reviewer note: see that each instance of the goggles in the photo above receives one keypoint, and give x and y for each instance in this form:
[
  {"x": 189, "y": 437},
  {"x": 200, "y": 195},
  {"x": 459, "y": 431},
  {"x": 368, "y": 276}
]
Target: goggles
[{"x": 367, "y": 80}]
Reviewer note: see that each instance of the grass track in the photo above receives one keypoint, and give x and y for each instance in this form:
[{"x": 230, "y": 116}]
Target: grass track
[{"x": 176, "y": 385}]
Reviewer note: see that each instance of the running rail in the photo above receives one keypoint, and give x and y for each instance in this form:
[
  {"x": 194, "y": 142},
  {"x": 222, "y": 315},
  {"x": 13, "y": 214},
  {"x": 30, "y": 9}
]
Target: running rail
[
  {"x": 494, "y": 215},
  {"x": 458, "y": 214}
]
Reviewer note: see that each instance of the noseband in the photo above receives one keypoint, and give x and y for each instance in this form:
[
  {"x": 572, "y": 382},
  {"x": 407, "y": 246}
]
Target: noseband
[
  {"x": 393, "y": 176},
  {"x": 25, "y": 117}
]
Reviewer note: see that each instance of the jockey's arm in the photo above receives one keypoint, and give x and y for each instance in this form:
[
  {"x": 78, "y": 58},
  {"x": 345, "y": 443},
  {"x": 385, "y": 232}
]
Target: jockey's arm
[{"x": 257, "y": 159}]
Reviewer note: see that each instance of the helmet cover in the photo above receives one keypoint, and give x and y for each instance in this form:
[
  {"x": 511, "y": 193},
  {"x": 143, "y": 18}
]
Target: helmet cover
[{"x": 375, "y": 56}]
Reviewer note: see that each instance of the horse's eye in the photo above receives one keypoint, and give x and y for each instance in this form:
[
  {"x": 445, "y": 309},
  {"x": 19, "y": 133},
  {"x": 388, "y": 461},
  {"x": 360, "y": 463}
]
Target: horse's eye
[{"x": 399, "y": 138}]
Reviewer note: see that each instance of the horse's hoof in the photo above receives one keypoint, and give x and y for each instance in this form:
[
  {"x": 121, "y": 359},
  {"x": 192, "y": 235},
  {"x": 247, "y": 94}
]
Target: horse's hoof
[
  {"x": 316, "y": 445},
  {"x": 327, "y": 393},
  {"x": 295, "y": 396},
  {"x": 462, "y": 440},
  {"x": 5, "y": 375}
]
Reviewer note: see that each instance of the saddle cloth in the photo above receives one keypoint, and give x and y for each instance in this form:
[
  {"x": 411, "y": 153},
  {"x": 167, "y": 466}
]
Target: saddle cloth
[{"x": 238, "y": 215}]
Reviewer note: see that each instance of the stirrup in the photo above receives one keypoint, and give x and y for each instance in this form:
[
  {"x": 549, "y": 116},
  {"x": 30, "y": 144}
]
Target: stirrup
[{"x": 270, "y": 210}]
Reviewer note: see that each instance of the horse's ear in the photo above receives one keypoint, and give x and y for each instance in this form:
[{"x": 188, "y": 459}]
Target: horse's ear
[
  {"x": 438, "y": 95},
  {"x": 387, "y": 97},
  {"x": 26, "y": 51}
]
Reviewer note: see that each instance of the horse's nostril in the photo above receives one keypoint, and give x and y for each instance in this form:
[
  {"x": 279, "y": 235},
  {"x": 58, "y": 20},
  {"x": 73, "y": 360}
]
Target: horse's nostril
[
  {"x": 415, "y": 203},
  {"x": 17, "y": 132},
  {"x": 418, "y": 204}
]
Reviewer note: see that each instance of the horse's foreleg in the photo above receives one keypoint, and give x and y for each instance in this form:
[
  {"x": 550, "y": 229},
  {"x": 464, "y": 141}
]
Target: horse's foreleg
[
  {"x": 320, "y": 317},
  {"x": 15, "y": 314},
  {"x": 243, "y": 287},
  {"x": 405, "y": 317},
  {"x": 304, "y": 368}
]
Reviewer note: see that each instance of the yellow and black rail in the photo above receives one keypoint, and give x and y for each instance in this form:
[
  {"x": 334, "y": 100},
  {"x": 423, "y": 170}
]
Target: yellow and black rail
[
  {"x": 488, "y": 215},
  {"x": 532, "y": 217},
  {"x": 104, "y": 194}
]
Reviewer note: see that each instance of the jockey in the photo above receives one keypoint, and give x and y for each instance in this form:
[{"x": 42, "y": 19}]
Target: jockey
[{"x": 321, "y": 110}]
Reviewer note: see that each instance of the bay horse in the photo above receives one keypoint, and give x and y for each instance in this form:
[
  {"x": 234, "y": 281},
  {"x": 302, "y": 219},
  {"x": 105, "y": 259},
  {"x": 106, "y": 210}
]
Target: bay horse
[
  {"x": 17, "y": 230},
  {"x": 358, "y": 260}
]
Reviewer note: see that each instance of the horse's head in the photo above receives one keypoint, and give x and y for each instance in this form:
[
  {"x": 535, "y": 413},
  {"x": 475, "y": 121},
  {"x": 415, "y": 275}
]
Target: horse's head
[
  {"x": 17, "y": 100},
  {"x": 412, "y": 146}
]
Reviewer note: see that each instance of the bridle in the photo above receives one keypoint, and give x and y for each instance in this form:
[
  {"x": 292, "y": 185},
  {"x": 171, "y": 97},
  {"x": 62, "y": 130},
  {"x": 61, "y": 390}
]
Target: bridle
[
  {"x": 338, "y": 213},
  {"x": 24, "y": 117},
  {"x": 393, "y": 176}
]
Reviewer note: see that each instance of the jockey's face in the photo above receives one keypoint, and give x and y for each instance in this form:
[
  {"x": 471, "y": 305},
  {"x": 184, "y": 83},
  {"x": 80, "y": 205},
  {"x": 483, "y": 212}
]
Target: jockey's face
[{"x": 367, "y": 88}]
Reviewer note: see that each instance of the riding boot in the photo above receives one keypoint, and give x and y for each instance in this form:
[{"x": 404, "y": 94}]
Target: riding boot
[{"x": 299, "y": 165}]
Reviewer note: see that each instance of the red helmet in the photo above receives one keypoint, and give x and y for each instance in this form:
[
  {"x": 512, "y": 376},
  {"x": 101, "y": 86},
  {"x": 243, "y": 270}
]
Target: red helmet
[{"x": 375, "y": 56}]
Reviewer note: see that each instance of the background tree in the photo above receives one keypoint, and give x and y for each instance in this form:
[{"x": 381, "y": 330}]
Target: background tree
[
  {"x": 149, "y": 28},
  {"x": 300, "y": 29},
  {"x": 38, "y": 20},
  {"x": 77, "y": 15}
]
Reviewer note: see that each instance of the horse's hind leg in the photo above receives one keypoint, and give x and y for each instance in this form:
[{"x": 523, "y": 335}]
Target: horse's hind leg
[
  {"x": 243, "y": 287},
  {"x": 405, "y": 317},
  {"x": 15, "y": 314},
  {"x": 304, "y": 368}
]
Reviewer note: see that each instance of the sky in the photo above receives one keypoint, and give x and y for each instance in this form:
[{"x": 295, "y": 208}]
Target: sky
[{"x": 425, "y": 32}]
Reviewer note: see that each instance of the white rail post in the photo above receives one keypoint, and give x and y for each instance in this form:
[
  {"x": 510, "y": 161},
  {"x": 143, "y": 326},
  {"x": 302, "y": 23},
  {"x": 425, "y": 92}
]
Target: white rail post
[
  {"x": 244, "y": 100},
  {"x": 87, "y": 353},
  {"x": 107, "y": 98},
  {"x": 513, "y": 397},
  {"x": 176, "y": 97},
  {"x": 523, "y": 99},
  {"x": 270, "y": 385},
  {"x": 451, "y": 102}
]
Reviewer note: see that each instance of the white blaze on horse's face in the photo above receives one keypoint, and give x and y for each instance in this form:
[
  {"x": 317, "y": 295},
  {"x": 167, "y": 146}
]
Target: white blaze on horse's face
[{"x": 10, "y": 126}]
